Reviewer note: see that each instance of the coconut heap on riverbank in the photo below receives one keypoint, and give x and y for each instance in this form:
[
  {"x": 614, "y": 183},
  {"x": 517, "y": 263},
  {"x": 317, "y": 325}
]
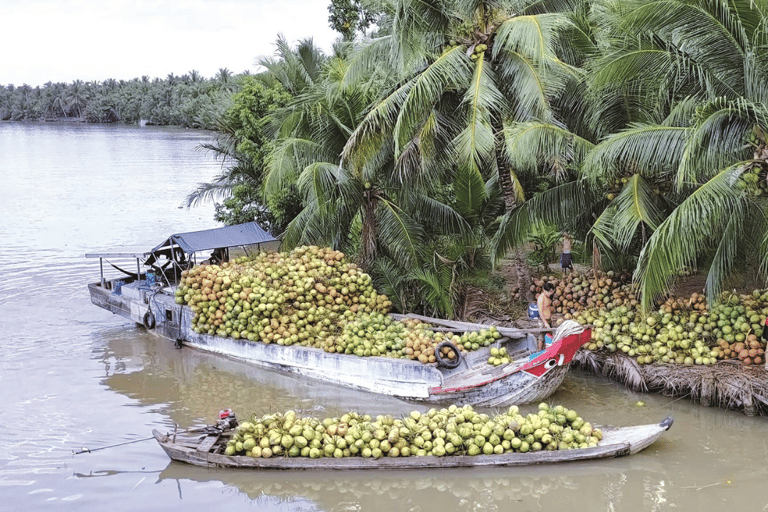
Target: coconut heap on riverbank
[
  {"x": 684, "y": 349},
  {"x": 712, "y": 355}
]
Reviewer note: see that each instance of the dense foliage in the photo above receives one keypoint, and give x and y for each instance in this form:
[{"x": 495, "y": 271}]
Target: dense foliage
[
  {"x": 463, "y": 129},
  {"x": 441, "y": 134},
  {"x": 188, "y": 100}
]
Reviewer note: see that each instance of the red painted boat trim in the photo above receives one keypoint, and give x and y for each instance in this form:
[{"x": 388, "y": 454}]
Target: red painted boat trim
[{"x": 566, "y": 347}]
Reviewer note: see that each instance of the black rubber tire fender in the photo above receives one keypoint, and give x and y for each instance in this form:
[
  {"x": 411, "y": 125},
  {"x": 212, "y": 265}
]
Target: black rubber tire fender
[
  {"x": 149, "y": 320},
  {"x": 444, "y": 361}
]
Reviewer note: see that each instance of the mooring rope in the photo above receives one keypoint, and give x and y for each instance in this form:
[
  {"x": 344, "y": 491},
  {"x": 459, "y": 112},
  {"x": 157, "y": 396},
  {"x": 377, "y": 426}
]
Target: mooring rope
[{"x": 208, "y": 430}]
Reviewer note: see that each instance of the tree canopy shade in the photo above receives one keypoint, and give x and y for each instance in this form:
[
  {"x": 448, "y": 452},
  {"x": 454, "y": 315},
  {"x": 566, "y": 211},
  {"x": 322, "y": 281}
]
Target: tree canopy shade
[
  {"x": 437, "y": 144},
  {"x": 676, "y": 108}
]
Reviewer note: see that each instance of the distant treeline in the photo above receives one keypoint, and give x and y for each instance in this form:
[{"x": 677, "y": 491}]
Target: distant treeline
[{"x": 188, "y": 100}]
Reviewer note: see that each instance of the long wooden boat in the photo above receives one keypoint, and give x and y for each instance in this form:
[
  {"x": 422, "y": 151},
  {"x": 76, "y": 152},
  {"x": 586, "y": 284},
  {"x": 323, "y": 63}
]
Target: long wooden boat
[
  {"x": 208, "y": 451},
  {"x": 531, "y": 376}
]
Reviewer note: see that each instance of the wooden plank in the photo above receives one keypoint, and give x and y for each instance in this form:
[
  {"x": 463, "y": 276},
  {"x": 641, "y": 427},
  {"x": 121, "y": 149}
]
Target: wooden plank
[
  {"x": 207, "y": 443},
  {"x": 507, "y": 331}
]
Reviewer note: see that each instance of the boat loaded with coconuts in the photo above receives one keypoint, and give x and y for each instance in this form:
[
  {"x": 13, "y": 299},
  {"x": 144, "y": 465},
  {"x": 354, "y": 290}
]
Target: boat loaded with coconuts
[
  {"x": 449, "y": 438},
  {"x": 313, "y": 313}
]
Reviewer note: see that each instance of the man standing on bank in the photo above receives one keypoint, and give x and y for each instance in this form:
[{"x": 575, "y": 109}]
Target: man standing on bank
[{"x": 566, "y": 262}]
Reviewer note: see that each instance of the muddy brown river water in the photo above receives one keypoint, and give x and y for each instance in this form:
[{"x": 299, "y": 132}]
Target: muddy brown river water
[{"x": 74, "y": 376}]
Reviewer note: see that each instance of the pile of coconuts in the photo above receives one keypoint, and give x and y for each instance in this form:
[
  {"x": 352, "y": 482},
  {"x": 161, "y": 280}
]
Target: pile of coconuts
[
  {"x": 376, "y": 334},
  {"x": 445, "y": 432},
  {"x": 684, "y": 330},
  {"x": 311, "y": 296},
  {"x": 577, "y": 292}
]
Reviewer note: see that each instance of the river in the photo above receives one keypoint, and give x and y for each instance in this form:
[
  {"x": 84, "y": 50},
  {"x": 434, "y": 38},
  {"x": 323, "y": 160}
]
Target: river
[{"x": 74, "y": 376}]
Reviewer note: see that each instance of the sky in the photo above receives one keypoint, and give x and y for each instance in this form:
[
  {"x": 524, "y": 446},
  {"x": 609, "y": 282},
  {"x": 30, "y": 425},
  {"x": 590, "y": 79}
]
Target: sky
[{"x": 92, "y": 40}]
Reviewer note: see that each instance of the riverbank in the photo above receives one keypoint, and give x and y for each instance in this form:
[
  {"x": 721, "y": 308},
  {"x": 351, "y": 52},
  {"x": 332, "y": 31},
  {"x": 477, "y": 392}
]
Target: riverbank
[{"x": 727, "y": 384}]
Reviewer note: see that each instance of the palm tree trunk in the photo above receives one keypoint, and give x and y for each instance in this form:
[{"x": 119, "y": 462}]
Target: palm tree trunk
[
  {"x": 368, "y": 232},
  {"x": 505, "y": 182},
  {"x": 524, "y": 278}
]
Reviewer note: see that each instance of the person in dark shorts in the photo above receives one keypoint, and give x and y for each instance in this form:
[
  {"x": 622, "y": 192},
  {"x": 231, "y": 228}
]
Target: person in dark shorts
[{"x": 566, "y": 261}]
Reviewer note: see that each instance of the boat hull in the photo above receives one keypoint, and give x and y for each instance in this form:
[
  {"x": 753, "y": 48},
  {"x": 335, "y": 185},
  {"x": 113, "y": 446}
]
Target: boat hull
[{"x": 532, "y": 377}]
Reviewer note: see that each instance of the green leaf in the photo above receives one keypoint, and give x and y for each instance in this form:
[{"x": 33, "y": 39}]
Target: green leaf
[
  {"x": 636, "y": 204},
  {"x": 532, "y": 145},
  {"x": 469, "y": 188}
]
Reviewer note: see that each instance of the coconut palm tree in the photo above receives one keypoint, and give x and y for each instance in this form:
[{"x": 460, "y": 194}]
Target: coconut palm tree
[
  {"x": 703, "y": 130},
  {"x": 343, "y": 205},
  {"x": 677, "y": 104},
  {"x": 467, "y": 70},
  {"x": 224, "y": 79},
  {"x": 77, "y": 97},
  {"x": 296, "y": 69},
  {"x": 464, "y": 73}
]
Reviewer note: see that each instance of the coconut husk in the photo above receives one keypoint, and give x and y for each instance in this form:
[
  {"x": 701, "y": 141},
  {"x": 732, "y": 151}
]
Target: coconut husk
[{"x": 727, "y": 384}]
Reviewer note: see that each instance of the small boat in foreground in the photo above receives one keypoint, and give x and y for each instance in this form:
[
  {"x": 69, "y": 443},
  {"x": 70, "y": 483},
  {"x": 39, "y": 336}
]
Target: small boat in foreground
[
  {"x": 208, "y": 451},
  {"x": 147, "y": 298}
]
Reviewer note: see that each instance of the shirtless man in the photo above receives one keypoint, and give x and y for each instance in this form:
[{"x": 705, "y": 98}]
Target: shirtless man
[
  {"x": 544, "y": 303},
  {"x": 566, "y": 261}
]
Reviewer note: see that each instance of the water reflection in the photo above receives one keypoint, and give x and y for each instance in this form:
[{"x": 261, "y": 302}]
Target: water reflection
[
  {"x": 533, "y": 488},
  {"x": 193, "y": 385},
  {"x": 72, "y": 375}
]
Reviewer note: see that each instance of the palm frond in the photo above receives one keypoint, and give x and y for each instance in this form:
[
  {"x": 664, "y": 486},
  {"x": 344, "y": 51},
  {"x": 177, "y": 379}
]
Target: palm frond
[
  {"x": 636, "y": 204},
  {"x": 644, "y": 149},
  {"x": 523, "y": 83},
  {"x": 398, "y": 233},
  {"x": 682, "y": 112},
  {"x": 686, "y": 232},
  {"x": 288, "y": 159},
  {"x": 390, "y": 280},
  {"x": 434, "y": 291},
  {"x": 532, "y": 144},
  {"x": 560, "y": 205},
  {"x": 717, "y": 137},
  {"x": 534, "y": 36},
  {"x": 206, "y": 192},
  {"x": 475, "y": 145},
  {"x": 469, "y": 189},
  {"x": 437, "y": 216},
  {"x": 450, "y": 70},
  {"x": 366, "y": 61},
  {"x": 650, "y": 65},
  {"x": 317, "y": 183},
  {"x": 375, "y": 128},
  {"x": 725, "y": 255},
  {"x": 706, "y": 31}
]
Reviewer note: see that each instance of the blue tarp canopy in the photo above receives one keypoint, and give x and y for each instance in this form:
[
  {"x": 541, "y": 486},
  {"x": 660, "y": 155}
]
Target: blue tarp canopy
[{"x": 249, "y": 233}]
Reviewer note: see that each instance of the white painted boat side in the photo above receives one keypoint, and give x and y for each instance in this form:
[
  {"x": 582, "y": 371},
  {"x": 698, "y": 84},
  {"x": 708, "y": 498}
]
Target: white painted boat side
[{"x": 402, "y": 378}]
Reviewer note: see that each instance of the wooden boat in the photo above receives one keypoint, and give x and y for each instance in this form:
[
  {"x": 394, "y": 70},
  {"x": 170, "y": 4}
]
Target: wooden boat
[
  {"x": 147, "y": 298},
  {"x": 208, "y": 451}
]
